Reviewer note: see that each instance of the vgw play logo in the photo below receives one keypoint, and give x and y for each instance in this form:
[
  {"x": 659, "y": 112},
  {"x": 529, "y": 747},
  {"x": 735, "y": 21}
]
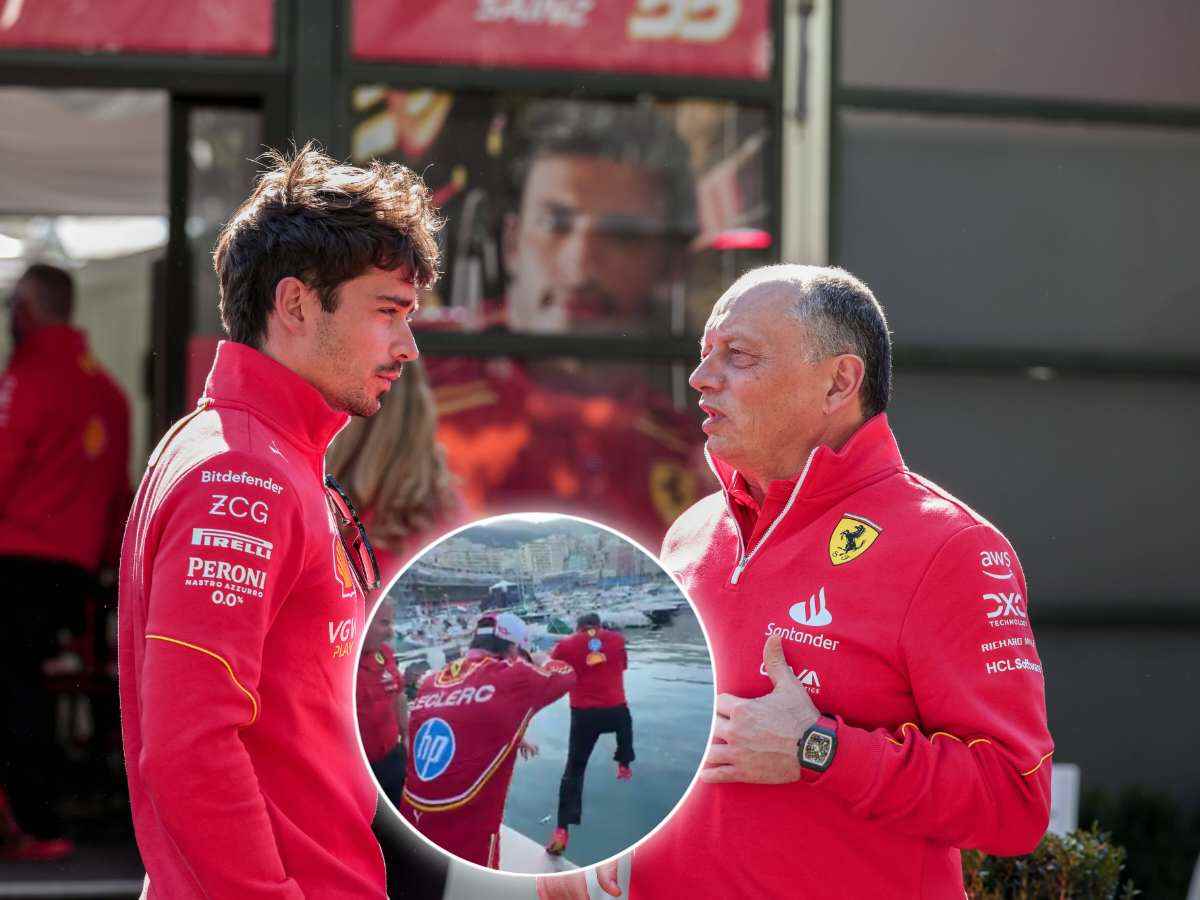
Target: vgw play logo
[{"x": 433, "y": 749}]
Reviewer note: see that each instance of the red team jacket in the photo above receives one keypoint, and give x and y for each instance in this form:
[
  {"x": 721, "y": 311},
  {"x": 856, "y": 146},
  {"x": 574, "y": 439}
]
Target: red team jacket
[
  {"x": 624, "y": 457},
  {"x": 464, "y": 728},
  {"x": 379, "y": 684},
  {"x": 905, "y": 616},
  {"x": 64, "y": 452},
  {"x": 598, "y": 657},
  {"x": 239, "y": 625}
]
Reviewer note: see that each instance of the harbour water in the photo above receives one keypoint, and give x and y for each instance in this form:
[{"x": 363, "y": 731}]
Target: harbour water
[{"x": 669, "y": 686}]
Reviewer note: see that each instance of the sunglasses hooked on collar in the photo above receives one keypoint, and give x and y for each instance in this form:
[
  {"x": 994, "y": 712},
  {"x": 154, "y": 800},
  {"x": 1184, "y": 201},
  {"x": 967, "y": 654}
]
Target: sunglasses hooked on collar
[{"x": 353, "y": 536}]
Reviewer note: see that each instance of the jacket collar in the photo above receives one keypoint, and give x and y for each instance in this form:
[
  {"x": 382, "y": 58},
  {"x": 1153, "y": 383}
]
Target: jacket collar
[
  {"x": 243, "y": 378},
  {"x": 871, "y": 452},
  {"x": 54, "y": 341}
]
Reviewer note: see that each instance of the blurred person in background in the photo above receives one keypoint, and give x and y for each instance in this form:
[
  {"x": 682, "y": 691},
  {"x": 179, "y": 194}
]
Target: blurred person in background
[
  {"x": 395, "y": 471},
  {"x": 466, "y": 726},
  {"x": 64, "y": 494},
  {"x": 245, "y": 569},
  {"x": 382, "y": 704},
  {"x": 598, "y": 707},
  {"x": 603, "y": 209}
]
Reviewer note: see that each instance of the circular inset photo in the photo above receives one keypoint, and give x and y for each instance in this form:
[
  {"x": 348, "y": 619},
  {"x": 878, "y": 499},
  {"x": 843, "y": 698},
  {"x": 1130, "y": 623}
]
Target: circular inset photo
[{"x": 534, "y": 693}]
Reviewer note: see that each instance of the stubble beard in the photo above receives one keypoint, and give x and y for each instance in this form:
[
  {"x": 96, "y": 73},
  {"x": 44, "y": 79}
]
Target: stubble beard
[
  {"x": 362, "y": 404},
  {"x": 345, "y": 393}
]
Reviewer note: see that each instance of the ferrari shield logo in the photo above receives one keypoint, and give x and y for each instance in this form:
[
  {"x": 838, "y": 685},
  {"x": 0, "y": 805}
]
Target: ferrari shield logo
[
  {"x": 851, "y": 538},
  {"x": 672, "y": 489}
]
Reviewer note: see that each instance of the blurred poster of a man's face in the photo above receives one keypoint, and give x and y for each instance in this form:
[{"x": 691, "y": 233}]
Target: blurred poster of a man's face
[{"x": 588, "y": 248}]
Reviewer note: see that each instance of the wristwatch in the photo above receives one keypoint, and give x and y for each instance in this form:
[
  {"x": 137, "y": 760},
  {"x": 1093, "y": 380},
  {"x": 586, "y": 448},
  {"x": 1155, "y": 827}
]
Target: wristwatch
[{"x": 817, "y": 746}]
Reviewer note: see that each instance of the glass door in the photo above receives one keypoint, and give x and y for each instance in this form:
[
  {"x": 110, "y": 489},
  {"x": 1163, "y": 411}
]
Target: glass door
[{"x": 213, "y": 148}]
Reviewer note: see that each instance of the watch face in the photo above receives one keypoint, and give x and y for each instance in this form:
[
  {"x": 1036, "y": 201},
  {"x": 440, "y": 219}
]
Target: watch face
[{"x": 817, "y": 749}]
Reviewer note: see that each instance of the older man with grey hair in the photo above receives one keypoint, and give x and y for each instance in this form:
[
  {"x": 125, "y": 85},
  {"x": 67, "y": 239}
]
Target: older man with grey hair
[{"x": 882, "y": 702}]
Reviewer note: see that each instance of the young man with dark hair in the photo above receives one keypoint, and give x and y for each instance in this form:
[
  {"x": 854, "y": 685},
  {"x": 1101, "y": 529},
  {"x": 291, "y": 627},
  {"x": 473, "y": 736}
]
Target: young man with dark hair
[
  {"x": 598, "y": 707},
  {"x": 466, "y": 725},
  {"x": 64, "y": 494},
  {"x": 244, "y": 570}
]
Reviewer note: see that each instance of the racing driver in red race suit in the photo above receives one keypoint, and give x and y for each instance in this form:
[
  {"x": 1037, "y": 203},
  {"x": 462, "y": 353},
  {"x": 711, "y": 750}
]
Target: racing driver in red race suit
[
  {"x": 465, "y": 726},
  {"x": 881, "y": 697},
  {"x": 243, "y": 574}
]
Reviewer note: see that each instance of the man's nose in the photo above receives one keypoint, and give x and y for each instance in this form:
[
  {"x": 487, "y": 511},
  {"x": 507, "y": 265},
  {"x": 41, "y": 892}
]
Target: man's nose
[
  {"x": 581, "y": 252},
  {"x": 404, "y": 348},
  {"x": 705, "y": 376}
]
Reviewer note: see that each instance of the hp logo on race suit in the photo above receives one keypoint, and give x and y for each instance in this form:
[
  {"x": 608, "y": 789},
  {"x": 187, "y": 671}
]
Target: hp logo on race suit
[{"x": 433, "y": 749}]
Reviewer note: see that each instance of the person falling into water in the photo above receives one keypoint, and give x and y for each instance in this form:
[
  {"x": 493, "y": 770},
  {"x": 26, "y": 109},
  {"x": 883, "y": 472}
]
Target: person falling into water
[{"x": 597, "y": 707}]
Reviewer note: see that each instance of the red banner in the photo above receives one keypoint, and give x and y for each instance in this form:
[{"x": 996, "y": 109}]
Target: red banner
[
  {"x": 704, "y": 38},
  {"x": 216, "y": 27}
]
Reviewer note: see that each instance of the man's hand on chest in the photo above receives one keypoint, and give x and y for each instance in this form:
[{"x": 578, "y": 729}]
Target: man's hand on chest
[{"x": 755, "y": 740}]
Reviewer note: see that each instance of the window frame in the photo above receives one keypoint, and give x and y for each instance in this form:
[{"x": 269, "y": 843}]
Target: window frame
[
  {"x": 766, "y": 95},
  {"x": 1033, "y": 362}
]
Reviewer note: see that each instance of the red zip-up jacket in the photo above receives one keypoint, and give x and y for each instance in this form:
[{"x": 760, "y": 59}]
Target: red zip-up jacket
[
  {"x": 519, "y": 441},
  {"x": 64, "y": 452},
  {"x": 905, "y": 615},
  {"x": 463, "y": 731},
  {"x": 598, "y": 657},
  {"x": 239, "y": 627}
]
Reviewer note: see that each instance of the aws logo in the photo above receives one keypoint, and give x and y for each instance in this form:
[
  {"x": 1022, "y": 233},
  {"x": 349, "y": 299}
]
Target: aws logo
[
  {"x": 851, "y": 538},
  {"x": 996, "y": 564}
]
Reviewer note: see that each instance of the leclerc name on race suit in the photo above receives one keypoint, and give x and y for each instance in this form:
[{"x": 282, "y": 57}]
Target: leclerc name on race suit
[{"x": 482, "y": 694}]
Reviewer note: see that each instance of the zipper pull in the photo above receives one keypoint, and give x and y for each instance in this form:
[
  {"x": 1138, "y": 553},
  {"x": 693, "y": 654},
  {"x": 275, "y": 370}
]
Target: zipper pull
[{"x": 737, "y": 572}]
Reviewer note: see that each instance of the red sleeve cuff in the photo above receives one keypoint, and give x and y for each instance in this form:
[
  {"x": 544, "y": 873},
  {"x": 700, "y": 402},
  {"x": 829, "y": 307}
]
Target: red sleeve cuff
[{"x": 855, "y": 763}]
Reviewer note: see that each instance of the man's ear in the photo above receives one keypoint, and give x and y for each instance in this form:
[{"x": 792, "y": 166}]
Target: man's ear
[
  {"x": 846, "y": 378},
  {"x": 292, "y": 305}
]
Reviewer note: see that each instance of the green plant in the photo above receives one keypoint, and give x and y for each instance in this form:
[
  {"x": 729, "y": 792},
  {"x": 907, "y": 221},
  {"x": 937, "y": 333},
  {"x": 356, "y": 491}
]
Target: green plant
[
  {"x": 1160, "y": 835},
  {"x": 1084, "y": 864}
]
